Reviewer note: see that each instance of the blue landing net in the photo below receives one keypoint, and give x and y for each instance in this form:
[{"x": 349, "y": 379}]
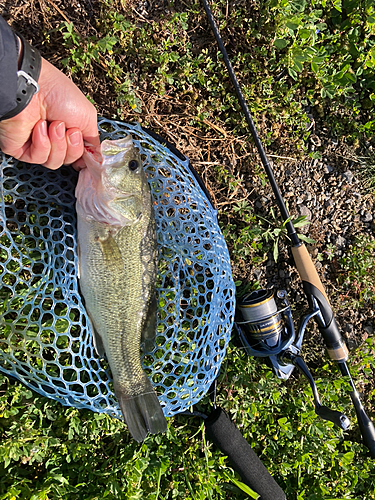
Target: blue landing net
[{"x": 45, "y": 336}]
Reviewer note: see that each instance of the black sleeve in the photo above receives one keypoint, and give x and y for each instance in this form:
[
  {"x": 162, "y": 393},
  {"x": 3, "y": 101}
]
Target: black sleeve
[{"x": 8, "y": 68}]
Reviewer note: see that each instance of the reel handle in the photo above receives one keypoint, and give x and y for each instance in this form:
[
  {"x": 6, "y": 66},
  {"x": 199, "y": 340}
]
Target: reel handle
[{"x": 322, "y": 411}]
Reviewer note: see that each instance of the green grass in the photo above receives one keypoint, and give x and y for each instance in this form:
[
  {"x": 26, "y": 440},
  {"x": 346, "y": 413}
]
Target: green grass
[
  {"x": 50, "y": 452},
  {"x": 356, "y": 271}
]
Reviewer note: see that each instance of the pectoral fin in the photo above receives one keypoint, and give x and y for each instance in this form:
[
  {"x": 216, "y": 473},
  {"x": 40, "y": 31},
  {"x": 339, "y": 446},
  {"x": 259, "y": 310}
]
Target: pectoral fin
[{"x": 110, "y": 249}]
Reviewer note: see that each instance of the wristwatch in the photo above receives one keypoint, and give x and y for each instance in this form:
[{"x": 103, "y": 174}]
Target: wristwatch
[{"x": 27, "y": 78}]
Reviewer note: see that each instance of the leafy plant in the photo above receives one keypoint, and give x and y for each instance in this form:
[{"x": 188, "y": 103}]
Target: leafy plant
[
  {"x": 48, "y": 451},
  {"x": 357, "y": 270},
  {"x": 277, "y": 230},
  {"x": 330, "y": 44}
]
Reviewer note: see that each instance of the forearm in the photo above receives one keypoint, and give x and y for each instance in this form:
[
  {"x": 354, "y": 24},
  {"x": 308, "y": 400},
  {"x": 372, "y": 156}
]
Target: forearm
[{"x": 9, "y": 53}]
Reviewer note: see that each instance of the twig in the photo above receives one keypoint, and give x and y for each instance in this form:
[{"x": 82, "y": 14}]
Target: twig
[
  {"x": 142, "y": 18},
  {"x": 215, "y": 127},
  {"x": 283, "y": 157},
  {"x": 62, "y": 14},
  {"x": 104, "y": 66},
  {"x": 210, "y": 163},
  {"x": 224, "y": 203}
]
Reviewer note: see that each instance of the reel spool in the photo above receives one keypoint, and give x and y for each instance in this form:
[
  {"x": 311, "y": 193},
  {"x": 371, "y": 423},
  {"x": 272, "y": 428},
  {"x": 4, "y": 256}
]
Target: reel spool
[{"x": 264, "y": 329}]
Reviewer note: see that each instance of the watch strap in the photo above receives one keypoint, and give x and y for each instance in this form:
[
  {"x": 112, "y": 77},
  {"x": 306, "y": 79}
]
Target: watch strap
[{"x": 27, "y": 78}]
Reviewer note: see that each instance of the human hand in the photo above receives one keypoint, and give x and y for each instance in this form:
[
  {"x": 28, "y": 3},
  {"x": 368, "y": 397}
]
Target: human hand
[{"x": 51, "y": 129}]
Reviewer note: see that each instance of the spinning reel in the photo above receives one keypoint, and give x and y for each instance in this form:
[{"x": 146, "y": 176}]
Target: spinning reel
[{"x": 266, "y": 330}]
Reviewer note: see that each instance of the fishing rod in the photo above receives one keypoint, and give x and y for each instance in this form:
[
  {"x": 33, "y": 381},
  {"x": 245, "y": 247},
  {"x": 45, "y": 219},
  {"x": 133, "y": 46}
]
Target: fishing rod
[{"x": 267, "y": 331}]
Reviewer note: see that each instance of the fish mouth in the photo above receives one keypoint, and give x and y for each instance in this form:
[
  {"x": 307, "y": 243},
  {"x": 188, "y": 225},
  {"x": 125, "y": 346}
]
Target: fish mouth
[{"x": 119, "y": 146}]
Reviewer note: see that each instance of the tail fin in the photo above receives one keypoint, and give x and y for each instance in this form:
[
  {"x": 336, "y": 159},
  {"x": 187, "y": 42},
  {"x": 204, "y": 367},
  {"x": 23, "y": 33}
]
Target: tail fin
[{"x": 142, "y": 414}]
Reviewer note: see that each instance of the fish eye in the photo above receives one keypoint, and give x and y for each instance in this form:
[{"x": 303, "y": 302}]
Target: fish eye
[{"x": 133, "y": 165}]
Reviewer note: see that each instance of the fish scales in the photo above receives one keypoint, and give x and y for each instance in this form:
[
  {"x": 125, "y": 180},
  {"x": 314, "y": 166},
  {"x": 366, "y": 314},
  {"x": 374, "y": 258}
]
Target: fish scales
[{"x": 117, "y": 273}]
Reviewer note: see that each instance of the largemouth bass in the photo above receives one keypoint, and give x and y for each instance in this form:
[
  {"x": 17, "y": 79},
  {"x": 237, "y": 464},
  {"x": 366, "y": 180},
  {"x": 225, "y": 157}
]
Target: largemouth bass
[{"x": 117, "y": 273}]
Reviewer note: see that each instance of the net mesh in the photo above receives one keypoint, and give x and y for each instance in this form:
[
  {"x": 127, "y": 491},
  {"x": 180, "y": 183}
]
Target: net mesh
[{"x": 45, "y": 336}]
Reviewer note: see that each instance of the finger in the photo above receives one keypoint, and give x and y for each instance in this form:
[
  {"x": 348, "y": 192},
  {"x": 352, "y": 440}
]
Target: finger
[
  {"x": 91, "y": 132},
  {"x": 56, "y": 134},
  {"x": 38, "y": 147},
  {"x": 74, "y": 141}
]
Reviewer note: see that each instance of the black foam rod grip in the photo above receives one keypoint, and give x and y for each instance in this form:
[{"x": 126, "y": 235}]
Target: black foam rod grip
[{"x": 221, "y": 431}]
